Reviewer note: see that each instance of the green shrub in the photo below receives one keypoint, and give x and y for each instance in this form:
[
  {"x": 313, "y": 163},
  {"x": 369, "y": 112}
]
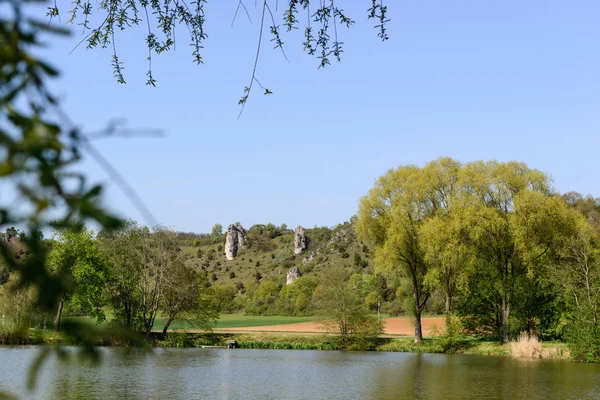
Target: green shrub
[
  {"x": 178, "y": 339},
  {"x": 584, "y": 339}
]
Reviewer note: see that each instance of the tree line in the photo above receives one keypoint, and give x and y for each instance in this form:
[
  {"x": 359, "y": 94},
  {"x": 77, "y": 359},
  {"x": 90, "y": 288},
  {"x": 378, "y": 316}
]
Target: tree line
[
  {"x": 495, "y": 236},
  {"x": 491, "y": 243},
  {"x": 134, "y": 273}
]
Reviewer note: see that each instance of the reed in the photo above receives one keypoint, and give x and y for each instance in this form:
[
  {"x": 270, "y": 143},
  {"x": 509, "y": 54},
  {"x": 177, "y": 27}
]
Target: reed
[{"x": 526, "y": 346}]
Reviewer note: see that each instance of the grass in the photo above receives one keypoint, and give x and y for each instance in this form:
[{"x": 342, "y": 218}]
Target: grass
[
  {"x": 239, "y": 321},
  {"x": 225, "y": 322}
]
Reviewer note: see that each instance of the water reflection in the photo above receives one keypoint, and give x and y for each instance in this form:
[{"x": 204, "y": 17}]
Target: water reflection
[{"x": 281, "y": 374}]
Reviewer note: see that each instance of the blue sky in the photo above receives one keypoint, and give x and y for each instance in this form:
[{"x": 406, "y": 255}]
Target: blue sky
[{"x": 505, "y": 80}]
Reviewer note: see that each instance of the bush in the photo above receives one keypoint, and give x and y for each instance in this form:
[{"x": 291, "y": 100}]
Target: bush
[
  {"x": 451, "y": 340},
  {"x": 583, "y": 339},
  {"x": 365, "y": 334},
  {"x": 394, "y": 308},
  {"x": 178, "y": 339},
  {"x": 231, "y": 275},
  {"x": 15, "y": 337},
  {"x": 223, "y": 297}
]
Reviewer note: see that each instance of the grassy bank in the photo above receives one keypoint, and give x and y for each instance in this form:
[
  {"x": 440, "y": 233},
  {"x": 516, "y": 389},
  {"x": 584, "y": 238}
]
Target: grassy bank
[{"x": 471, "y": 346}]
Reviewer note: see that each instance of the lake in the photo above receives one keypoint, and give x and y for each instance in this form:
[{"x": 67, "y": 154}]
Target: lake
[{"x": 297, "y": 374}]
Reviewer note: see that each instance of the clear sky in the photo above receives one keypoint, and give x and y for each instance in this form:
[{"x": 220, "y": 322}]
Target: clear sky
[{"x": 505, "y": 80}]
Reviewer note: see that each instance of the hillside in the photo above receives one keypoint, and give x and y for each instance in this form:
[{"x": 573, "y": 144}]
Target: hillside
[{"x": 269, "y": 254}]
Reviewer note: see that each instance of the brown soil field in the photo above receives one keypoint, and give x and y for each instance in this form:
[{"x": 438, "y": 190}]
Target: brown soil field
[{"x": 393, "y": 326}]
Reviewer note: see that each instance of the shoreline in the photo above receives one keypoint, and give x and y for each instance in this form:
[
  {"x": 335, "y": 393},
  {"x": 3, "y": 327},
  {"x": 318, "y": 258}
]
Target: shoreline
[{"x": 297, "y": 341}]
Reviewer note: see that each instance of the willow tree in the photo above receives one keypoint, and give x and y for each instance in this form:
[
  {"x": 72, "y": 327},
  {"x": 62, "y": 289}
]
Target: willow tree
[
  {"x": 103, "y": 22},
  {"x": 514, "y": 221},
  {"x": 445, "y": 246},
  {"x": 390, "y": 217},
  {"x": 441, "y": 234}
]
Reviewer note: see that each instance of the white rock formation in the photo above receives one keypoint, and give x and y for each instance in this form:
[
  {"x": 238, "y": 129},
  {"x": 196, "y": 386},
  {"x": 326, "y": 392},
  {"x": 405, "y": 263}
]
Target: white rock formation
[
  {"x": 231, "y": 242},
  {"x": 299, "y": 240},
  {"x": 292, "y": 275},
  {"x": 235, "y": 241}
]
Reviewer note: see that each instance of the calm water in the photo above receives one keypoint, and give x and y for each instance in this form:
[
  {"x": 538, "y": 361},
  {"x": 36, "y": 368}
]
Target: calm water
[{"x": 289, "y": 374}]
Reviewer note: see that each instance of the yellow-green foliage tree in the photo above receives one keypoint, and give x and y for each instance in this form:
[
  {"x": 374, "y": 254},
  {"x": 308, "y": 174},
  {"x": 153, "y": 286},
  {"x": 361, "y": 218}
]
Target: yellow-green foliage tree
[
  {"x": 448, "y": 253},
  {"x": 392, "y": 215},
  {"x": 438, "y": 224},
  {"x": 513, "y": 220}
]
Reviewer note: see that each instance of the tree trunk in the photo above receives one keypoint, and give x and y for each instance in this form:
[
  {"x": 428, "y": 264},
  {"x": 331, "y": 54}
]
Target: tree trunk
[
  {"x": 448, "y": 308},
  {"x": 58, "y": 316},
  {"x": 149, "y": 322},
  {"x": 505, "y": 320},
  {"x": 128, "y": 322},
  {"x": 166, "y": 328},
  {"x": 418, "y": 328}
]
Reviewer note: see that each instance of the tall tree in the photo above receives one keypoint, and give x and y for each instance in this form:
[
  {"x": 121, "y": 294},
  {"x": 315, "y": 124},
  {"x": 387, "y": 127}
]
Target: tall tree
[
  {"x": 513, "y": 220},
  {"x": 577, "y": 272},
  {"x": 157, "y": 253},
  {"x": 123, "y": 251},
  {"x": 186, "y": 295},
  {"x": 390, "y": 216},
  {"x": 343, "y": 309},
  {"x": 77, "y": 259}
]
